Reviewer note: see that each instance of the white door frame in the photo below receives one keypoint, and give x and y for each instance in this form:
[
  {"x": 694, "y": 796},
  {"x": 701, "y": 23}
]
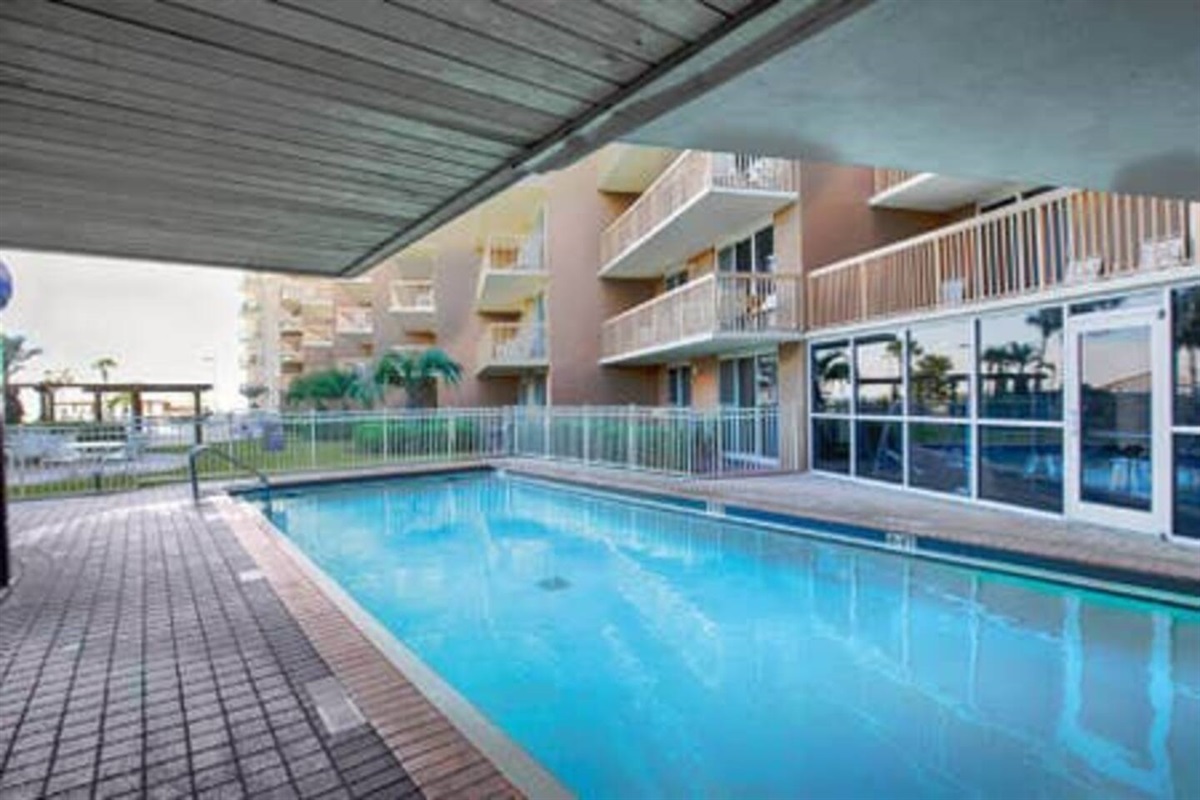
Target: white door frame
[{"x": 1157, "y": 519}]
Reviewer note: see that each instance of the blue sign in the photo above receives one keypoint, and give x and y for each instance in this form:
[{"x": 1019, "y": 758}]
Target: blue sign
[{"x": 6, "y": 286}]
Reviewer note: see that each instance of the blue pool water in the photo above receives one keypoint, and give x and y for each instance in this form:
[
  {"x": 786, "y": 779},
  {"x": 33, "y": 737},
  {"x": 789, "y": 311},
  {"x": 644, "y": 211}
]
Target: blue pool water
[{"x": 640, "y": 652}]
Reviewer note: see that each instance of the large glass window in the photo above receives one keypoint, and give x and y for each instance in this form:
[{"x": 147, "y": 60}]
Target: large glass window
[
  {"x": 939, "y": 370},
  {"x": 831, "y": 445},
  {"x": 755, "y": 253},
  {"x": 879, "y": 450},
  {"x": 1020, "y": 365},
  {"x": 1187, "y": 485},
  {"x": 679, "y": 386},
  {"x": 1022, "y": 466},
  {"x": 878, "y": 362},
  {"x": 939, "y": 457},
  {"x": 1185, "y": 345},
  {"x": 831, "y": 378}
]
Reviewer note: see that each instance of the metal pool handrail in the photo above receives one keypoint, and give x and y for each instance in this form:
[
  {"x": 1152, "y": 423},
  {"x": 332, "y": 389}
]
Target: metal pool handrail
[{"x": 193, "y": 475}]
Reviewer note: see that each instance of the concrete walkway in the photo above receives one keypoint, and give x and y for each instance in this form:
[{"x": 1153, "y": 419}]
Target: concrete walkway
[{"x": 142, "y": 654}]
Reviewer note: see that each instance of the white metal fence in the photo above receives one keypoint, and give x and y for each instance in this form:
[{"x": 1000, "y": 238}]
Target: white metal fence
[{"x": 47, "y": 460}]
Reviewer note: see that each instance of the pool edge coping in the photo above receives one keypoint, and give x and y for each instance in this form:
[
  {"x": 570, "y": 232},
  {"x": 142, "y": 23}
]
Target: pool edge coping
[
  {"x": 1143, "y": 586},
  {"x": 507, "y": 757}
]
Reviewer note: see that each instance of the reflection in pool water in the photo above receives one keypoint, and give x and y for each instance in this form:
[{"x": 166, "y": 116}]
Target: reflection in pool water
[{"x": 686, "y": 656}]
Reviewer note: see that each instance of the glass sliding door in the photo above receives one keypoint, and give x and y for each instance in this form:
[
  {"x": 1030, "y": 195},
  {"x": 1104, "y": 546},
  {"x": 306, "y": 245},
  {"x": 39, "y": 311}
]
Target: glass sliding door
[{"x": 1117, "y": 446}]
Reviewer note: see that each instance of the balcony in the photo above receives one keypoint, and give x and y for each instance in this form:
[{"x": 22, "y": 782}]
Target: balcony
[
  {"x": 354, "y": 321},
  {"x": 700, "y": 195},
  {"x": 717, "y": 313},
  {"x": 291, "y": 323},
  {"x": 1067, "y": 241},
  {"x": 510, "y": 348},
  {"x": 513, "y": 271},
  {"x": 929, "y": 191},
  {"x": 413, "y": 302}
]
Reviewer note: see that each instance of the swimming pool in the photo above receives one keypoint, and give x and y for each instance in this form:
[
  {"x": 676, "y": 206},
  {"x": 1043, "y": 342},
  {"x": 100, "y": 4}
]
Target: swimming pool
[{"x": 640, "y": 651}]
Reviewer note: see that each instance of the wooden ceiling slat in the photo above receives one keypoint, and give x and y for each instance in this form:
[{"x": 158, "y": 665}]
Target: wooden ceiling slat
[
  {"x": 421, "y": 31},
  {"x": 548, "y": 41},
  {"x": 258, "y": 130},
  {"x": 109, "y": 166},
  {"x": 167, "y": 98},
  {"x": 202, "y": 201},
  {"x": 137, "y": 126},
  {"x": 627, "y": 34},
  {"x": 126, "y": 139},
  {"x": 179, "y": 214},
  {"x": 227, "y": 71},
  {"x": 686, "y": 19},
  {"x": 336, "y": 49},
  {"x": 40, "y": 231}
]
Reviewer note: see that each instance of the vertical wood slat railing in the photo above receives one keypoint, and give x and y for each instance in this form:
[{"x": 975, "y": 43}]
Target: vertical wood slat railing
[
  {"x": 716, "y": 303},
  {"x": 354, "y": 320},
  {"x": 514, "y": 253},
  {"x": 412, "y": 295},
  {"x": 888, "y": 178},
  {"x": 1062, "y": 238},
  {"x": 512, "y": 344},
  {"x": 691, "y": 174}
]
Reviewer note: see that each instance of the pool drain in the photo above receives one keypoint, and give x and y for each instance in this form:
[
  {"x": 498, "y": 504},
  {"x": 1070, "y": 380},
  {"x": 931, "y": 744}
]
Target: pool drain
[{"x": 554, "y": 584}]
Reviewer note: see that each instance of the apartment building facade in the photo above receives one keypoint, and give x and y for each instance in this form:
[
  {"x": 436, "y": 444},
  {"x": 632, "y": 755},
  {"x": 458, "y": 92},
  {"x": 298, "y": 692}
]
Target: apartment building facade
[
  {"x": 292, "y": 326},
  {"x": 982, "y": 339}
]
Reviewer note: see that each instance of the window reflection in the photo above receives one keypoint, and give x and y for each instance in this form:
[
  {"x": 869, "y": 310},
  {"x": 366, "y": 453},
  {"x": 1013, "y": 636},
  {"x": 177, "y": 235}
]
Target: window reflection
[
  {"x": 1022, "y": 466},
  {"x": 879, "y": 449},
  {"x": 831, "y": 378},
  {"x": 878, "y": 374},
  {"x": 1187, "y": 485},
  {"x": 1185, "y": 344},
  {"x": 939, "y": 370},
  {"x": 1020, "y": 365},
  {"x": 939, "y": 457},
  {"x": 831, "y": 445}
]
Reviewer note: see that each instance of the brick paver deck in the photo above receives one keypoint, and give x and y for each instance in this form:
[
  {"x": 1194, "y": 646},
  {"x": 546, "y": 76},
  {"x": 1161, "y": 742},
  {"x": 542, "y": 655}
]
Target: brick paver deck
[{"x": 139, "y": 657}]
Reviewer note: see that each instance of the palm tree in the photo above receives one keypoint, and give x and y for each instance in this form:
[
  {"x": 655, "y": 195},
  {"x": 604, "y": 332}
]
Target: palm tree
[
  {"x": 328, "y": 387},
  {"x": 417, "y": 374},
  {"x": 17, "y": 353},
  {"x": 103, "y": 365},
  {"x": 252, "y": 392}
]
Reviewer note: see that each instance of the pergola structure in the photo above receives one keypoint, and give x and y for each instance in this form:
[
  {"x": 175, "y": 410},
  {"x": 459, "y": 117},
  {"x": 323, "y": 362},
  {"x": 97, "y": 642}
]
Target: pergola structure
[{"x": 47, "y": 392}]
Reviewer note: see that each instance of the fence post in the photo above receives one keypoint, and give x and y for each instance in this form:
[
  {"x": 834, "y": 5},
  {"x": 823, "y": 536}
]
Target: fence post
[
  {"x": 386, "y": 451},
  {"x": 630, "y": 437},
  {"x": 546, "y": 431},
  {"x": 719, "y": 454},
  {"x": 587, "y": 435},
  {"x": 450, "y": 437},
  {"x": 312, "y": 438}
]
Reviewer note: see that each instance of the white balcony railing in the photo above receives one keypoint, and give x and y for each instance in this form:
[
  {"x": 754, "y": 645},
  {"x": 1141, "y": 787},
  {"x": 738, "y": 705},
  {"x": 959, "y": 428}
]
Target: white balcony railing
[
  {"x": 515, "y": 253},
  {"x": 412, "y": 295},
  {"x": 354, "y": 321},
  {"x": 1066, "y": 238},
  {"x": 692, "y": 174},
  {"x": 890, "y": 178},
  {"x": 718, "y": 303},
  {"x": 512, "y": 344}
]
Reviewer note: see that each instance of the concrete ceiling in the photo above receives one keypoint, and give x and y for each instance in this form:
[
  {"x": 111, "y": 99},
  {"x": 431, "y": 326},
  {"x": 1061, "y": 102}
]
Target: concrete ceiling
[
  {"x": 1101, "y": 94},
  {"x": 322, "y": 136}
]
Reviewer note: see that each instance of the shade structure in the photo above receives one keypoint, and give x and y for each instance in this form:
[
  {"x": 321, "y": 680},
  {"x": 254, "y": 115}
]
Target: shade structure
[{"x": 321, "y": 136}]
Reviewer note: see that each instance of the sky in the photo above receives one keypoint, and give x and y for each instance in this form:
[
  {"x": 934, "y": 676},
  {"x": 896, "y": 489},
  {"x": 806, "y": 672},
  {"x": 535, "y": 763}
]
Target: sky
[{"x": 162, "y": 323}]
